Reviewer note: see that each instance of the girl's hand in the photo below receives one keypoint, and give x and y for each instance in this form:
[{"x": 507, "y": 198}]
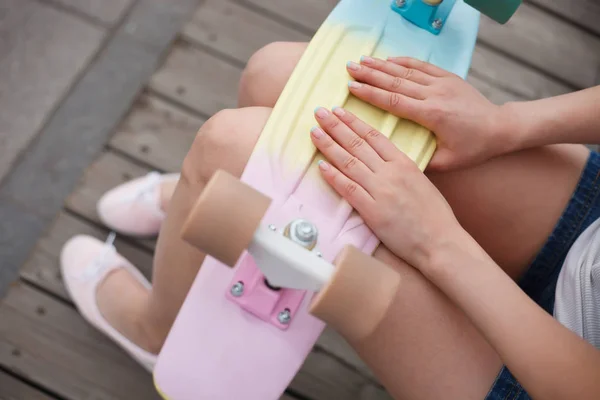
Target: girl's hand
[
  {"x": 469, "y": 128},
  {"x": 395, "y": 199}
]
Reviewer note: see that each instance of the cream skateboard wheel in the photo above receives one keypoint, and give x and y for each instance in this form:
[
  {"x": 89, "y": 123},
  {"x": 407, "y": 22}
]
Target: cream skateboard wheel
[
  {"x": 225, "y": 218},
  {"x": 358, "y": 295}
]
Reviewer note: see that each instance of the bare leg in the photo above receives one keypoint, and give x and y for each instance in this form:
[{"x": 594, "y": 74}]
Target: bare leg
[{"x": 166, "y": 193}]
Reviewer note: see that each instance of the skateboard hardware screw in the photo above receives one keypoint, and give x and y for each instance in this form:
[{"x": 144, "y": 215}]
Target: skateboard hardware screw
[
  {"x": 437, "y": 24},
  {"x": 305, "y": 231},
  {"x": 237, "y": 290},
  {"x": 272, "y": 227},
  {"x": 285, "y": 316},
  {"x": 400, "y": 3},
  {"x": 319, "y": 254},
  {"x": 302, "y": 232}
]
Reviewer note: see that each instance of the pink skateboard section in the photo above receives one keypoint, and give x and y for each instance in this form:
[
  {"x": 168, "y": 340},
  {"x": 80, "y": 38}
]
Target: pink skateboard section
[{"x": 216, "y": 334}]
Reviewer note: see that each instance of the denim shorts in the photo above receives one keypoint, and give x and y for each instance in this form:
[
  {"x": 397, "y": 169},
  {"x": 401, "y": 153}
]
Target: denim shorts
[{"x": 539, "y": 281}]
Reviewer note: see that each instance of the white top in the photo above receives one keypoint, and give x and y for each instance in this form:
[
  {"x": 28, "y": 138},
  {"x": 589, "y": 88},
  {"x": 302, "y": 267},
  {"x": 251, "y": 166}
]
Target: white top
[{"x": 577, "y": 304}]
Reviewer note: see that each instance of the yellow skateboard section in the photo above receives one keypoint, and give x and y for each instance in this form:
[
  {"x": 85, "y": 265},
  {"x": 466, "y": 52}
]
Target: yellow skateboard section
[{"x": 320, "y": 79}]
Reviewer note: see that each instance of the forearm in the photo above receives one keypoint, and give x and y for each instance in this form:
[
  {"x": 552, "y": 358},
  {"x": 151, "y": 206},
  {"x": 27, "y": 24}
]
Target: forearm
[
  {"x": 550, "y": 361},
  {"x": 570, "y": 118}
]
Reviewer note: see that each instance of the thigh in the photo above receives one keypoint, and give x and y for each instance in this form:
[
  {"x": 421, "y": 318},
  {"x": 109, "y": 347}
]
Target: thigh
[{"x": 511, "y": 204}]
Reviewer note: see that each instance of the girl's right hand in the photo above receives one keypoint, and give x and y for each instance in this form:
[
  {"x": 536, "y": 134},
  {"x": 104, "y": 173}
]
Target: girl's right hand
[{"x": 469, "y": 128}]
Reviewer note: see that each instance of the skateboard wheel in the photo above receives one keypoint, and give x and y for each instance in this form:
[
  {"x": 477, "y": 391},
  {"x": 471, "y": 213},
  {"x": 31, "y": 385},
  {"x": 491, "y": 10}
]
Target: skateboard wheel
[
  {"x": 499, "y": 10},
  {"x": 357, "y": 297},
  {"x": 226, "y": 215}
]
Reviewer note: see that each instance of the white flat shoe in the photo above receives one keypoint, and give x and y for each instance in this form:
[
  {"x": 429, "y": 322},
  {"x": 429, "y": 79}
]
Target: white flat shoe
[
  {"x": 133, "y": 208},
  {"x": 85, "y": 262}
]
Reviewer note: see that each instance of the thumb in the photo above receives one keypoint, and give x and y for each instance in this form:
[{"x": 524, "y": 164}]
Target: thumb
[{"x": 442, "y": 160}]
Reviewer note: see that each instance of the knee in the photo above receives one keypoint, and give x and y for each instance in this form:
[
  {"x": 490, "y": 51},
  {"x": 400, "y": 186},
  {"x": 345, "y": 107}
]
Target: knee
[
  {"x": 225, "y": 142},
  {"x": 214, "y": 140},
  {"x": 260, "y": 82}
]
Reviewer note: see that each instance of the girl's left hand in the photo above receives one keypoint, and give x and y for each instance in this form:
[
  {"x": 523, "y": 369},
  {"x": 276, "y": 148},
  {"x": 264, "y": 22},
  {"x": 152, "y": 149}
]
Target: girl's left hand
[{"x": 395, "y": 199}]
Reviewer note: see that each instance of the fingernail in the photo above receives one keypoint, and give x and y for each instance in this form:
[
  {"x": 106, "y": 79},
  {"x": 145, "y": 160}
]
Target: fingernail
[
  {"x": 317, "y": 132},
  {"x": 323, "y": 165},
  {"x": 321, "y": 112},
  {"x": 354, "y": 85},
  {"x": 339, "y": 111},
  {"x": 353, "y": 66},
  {"x": 366, "y": 60}
]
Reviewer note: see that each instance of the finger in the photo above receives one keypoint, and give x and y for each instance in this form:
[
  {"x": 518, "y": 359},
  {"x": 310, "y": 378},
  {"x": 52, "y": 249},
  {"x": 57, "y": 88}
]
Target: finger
[
  {"x": 396, "y": 103},
  {"x": 384, "y": 148},
  {"x": 386, "y": 81},
  {"x": 351, "y": 191},
  {"x": 348, "y": 164},
  {"x": 398, "y": 70},
  {"x": 347, "y": 138},
  {"x": 419, "y": 65}
]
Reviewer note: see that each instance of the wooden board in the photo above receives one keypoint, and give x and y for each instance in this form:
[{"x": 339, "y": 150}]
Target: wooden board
[
  {"x": 47, "y": 341},
  {"x": 510, "y": 76},
  {"x": 323, "y": 377},
  {"x": 200, "y": 81},
  {"x": 227, "y": 27},
  {"x": 43, "y": 269},
  {"x": 585, "y": 13},
  {"x": 307, "y": 13},
  {"x": 107, "y": 12},
  {"x": 156, "y": 133},
  {"x": 14, "y": 389},
  {"x": 42, "y": 53},
  {"x": 548, "y": 43}
]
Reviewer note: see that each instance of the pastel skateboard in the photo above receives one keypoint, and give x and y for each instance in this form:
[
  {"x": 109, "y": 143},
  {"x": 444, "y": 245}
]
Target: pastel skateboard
[{"x": 285, "y": 253}]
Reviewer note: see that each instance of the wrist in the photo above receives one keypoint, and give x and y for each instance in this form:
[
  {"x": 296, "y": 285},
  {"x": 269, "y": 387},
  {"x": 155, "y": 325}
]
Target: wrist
[
  {"x": 510, "y": 127},
  {"x": 451, "y": 255}
]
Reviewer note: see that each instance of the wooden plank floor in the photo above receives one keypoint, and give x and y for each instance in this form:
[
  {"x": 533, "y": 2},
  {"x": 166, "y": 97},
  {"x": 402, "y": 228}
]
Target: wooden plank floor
[
  {"x": 41, "y": 53},
  {"x": 47, "y": 351}
]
